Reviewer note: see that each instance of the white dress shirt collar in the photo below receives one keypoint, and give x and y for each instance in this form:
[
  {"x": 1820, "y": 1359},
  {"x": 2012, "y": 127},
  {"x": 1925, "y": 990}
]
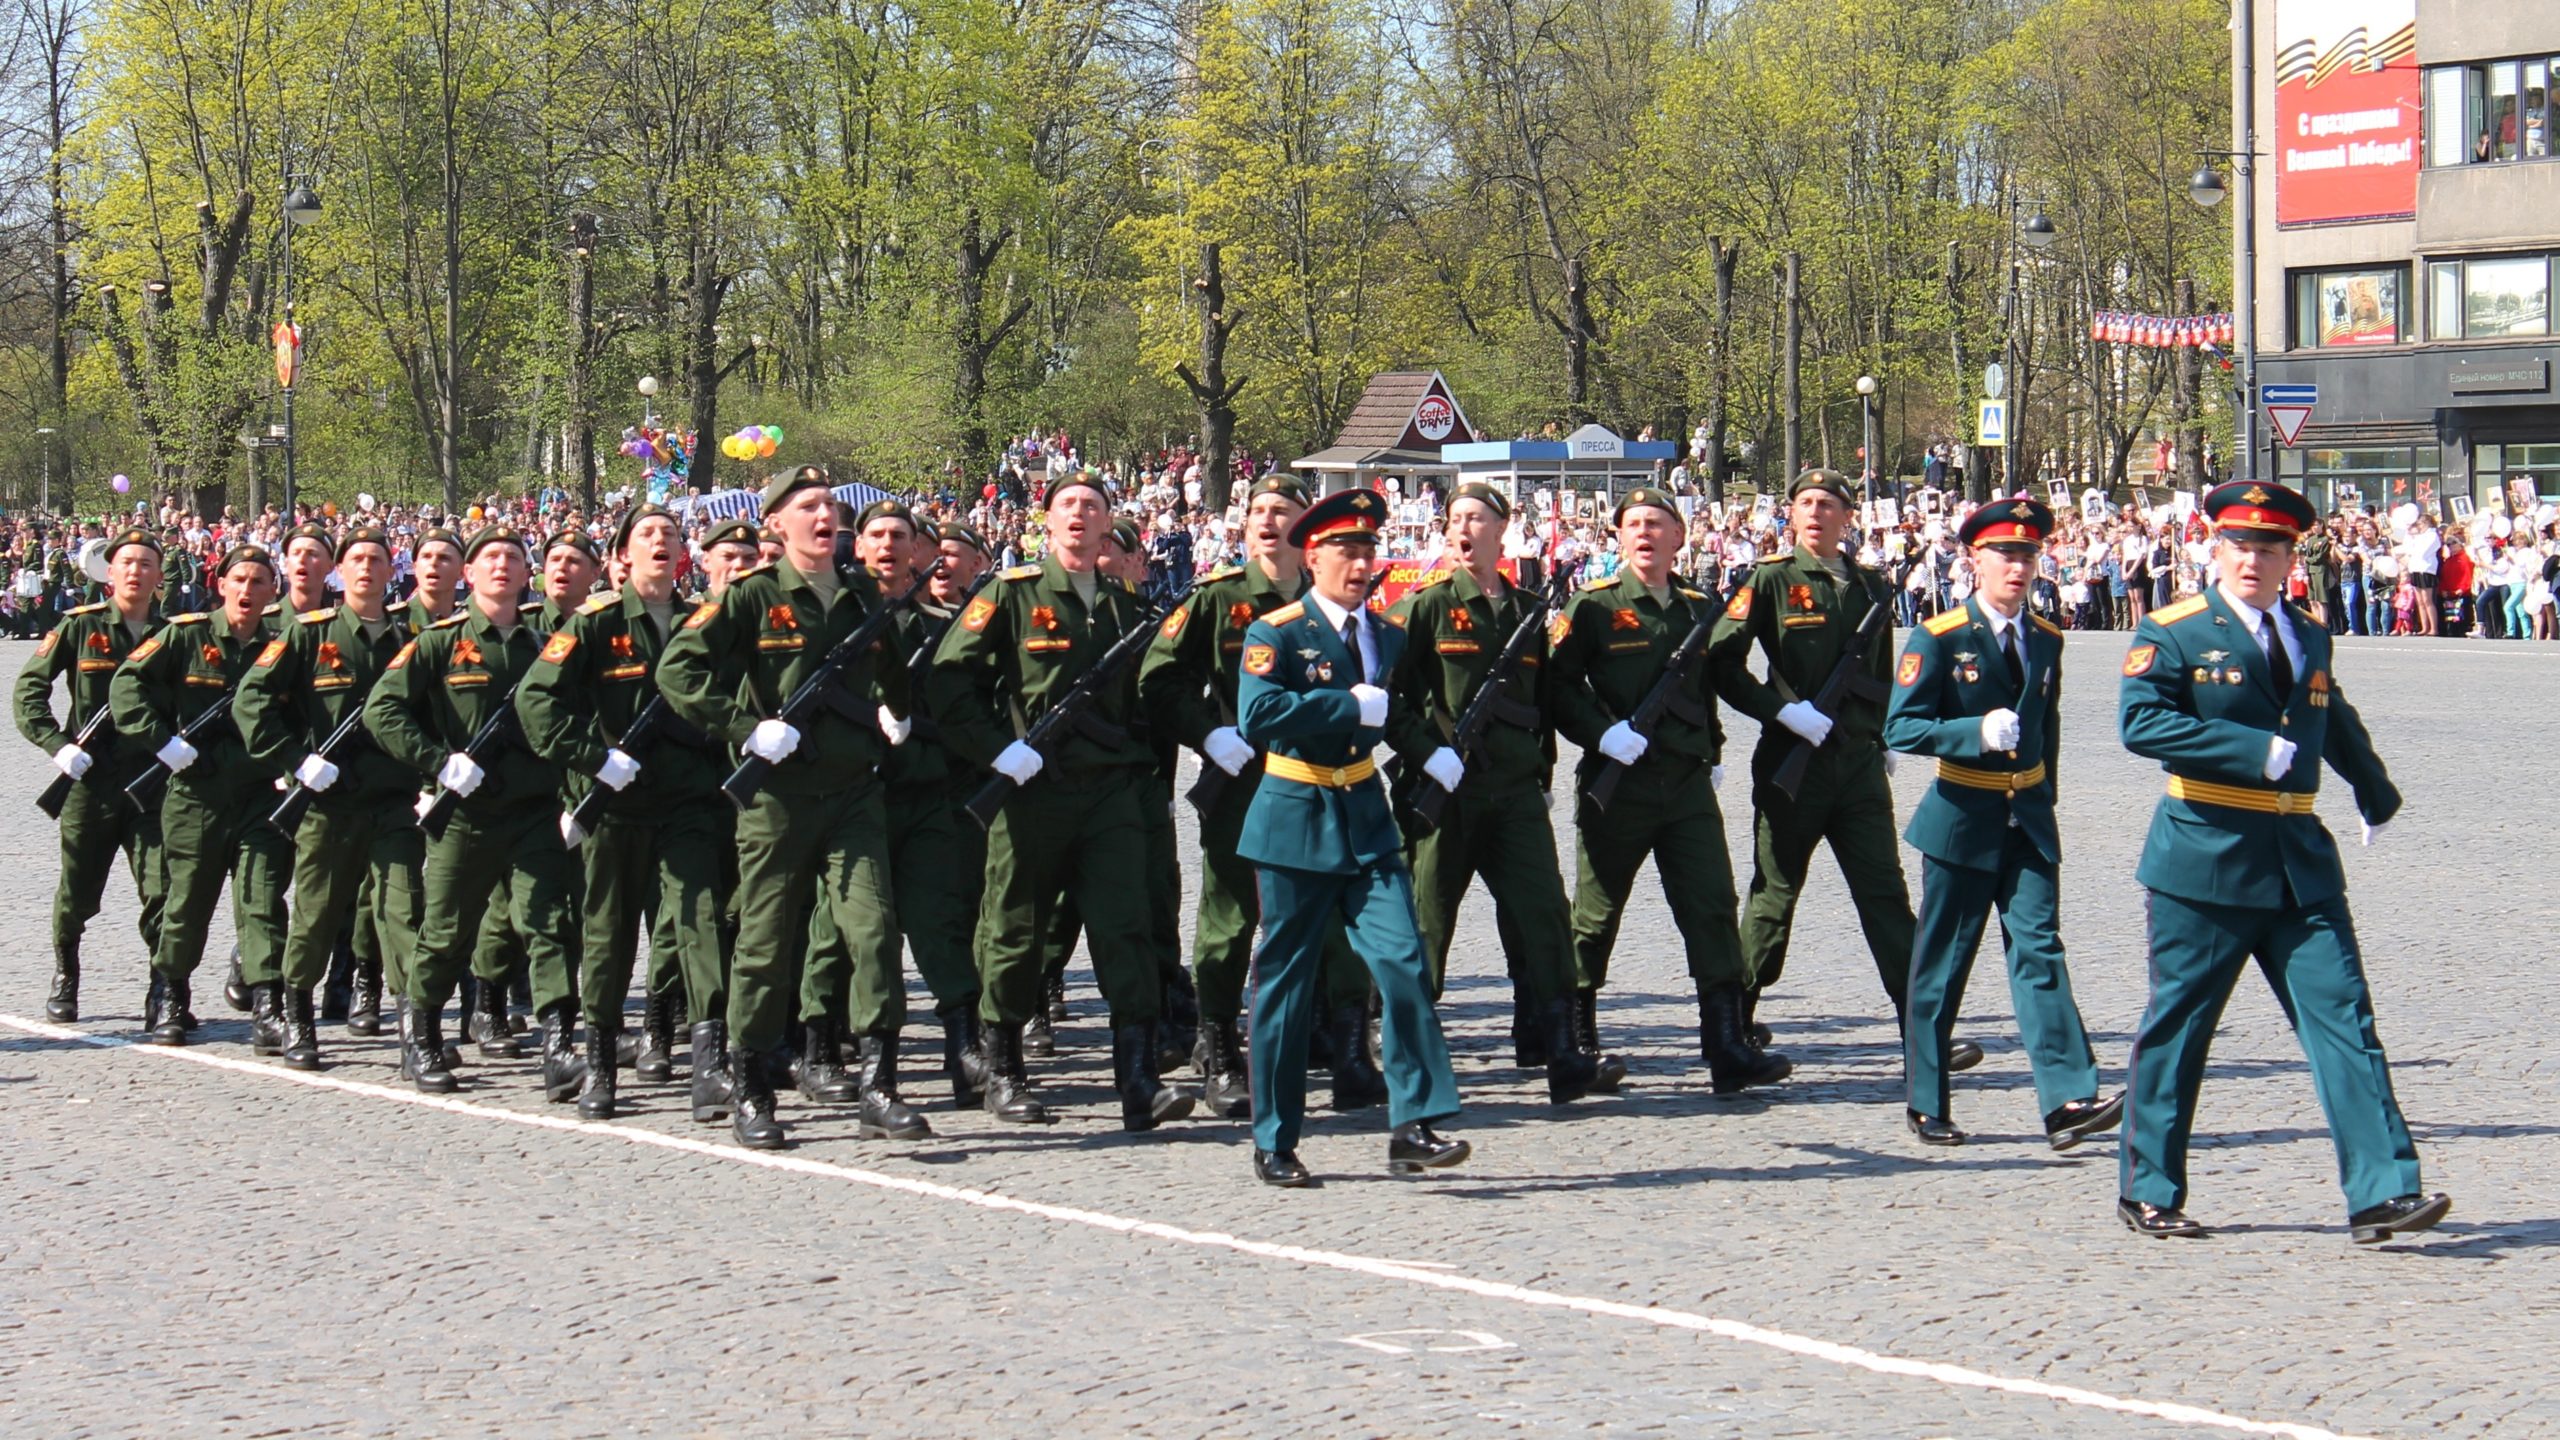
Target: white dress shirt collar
[{"x": 2256, "y": 620}]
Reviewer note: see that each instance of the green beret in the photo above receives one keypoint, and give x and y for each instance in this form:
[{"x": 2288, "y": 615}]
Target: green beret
[
  {"x": 1089, "y": 479},
  {"x": 134, "y": 535},
  {"x": 888, "y": 508},
  {"x": 631, "y": 521},
  {"x": 245, "y": 554},
  {"x": 313, "y": 531},
  {"x": 784, "y": 486},
  {"x": 954, "y": 530},
  {"x": 1645, "y": 495},
  {"x": 1484, "y": 494},
  {"x": 735, "y": 531},
  {"x": 497, "y": 534},
  {"x": 576, "y": 540},
  {"x": 1278, "y": 482},
  {"x": 1126, "y": 532},
  {"x": 1831, "y": 480},
  {"x": 362, "y": 535},
  {"x": 439, "y": 535}
]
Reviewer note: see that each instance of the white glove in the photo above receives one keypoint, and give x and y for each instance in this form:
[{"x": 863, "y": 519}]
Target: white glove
[
  {"x": 1373, "y": 705},
  {"x": 1621, "y": 743},
  {"x": 1890, "y": 760},
  {"x": 618, "y": 770},
  {"x": 1802, "y": 718},
  {"x": 1445, "y": 767},
  {"x": 73, "y": 761},
  {"x": 425, "y": 803},
  {"x": 461, "y": 774},
  {"x": 177, "y": 754},
  {"x": 895, "y": 729},
  {"x": 2373, "y": 831},
  {"x": 571, "y": 832},
  {"x": 315, "y": 772},
  {"x": 1018, "y": 762},
  {"x": 1715, "y": 777},
  {"x": 773, "y": 740},
  {"x": 1227, "y": 750},
  {"x": 2279, "y": 756},
  {"x": 2000, "y": 730}
]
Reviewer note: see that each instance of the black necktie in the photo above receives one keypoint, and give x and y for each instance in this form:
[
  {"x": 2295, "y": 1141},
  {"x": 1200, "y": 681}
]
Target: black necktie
[
  {"x": 1351, "y": 642},
  {"x": 2009, "y": 652},
  {"x": 2279, "y": 664}
]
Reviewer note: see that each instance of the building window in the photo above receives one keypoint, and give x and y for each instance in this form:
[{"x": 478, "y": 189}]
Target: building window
[
  {"x": 2490, "y": 112},
  {"x": 2375, "y": 477},
  {"x": 2349, "y": 307},
  {"x": 2489, "y": 299},
  {"x": 2515, "y": 478}
]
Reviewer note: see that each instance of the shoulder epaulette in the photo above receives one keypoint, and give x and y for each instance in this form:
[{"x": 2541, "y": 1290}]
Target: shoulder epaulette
[
  {"x": 275, "y": 609},
  {"x": 1223, "y": 572},
  {"x": 1774, "y": 559},
  {"x": 1436, "y": 577},
  {"x": 1288, "y": 613},
  {"x": 192, "y": 617},
  {"x": 2172, "y": 614},
  {"x": 1941, "y": 623},
  {"x": 2045, "y": 625},
  {"x": 1686, "y": 593},
  {"x": 1021, "y": 572},
  {"x": 1602, "y": 583},
  {"x": 86, "y": 609},
  {"x": 448, "y": 622},
  {"x": 314, "y": 617},
  {"x": 605, "y": 601}
]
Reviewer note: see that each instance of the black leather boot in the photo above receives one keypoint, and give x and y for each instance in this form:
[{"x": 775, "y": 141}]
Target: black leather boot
[
  {"x": 595, "y": 1094},
  {"x": 1611, "y": 1072},
  {"x": 711, "y": 1093},
  {"x": 1038, "y": 1040},
  {"x": 1570, "y": 1073},
  {"x": 235, "y": 986},
  {"x": 266, "y": 1018},
  {"x": 364, "y": 1006},
  {"x": 1225, "y": 1090},
  {"x": 301, "y": 1029},
  {"x": 751, "y": 1092},
  {"x": 1056, "y": 1009},
  {"x": 163, "y": 1011},
  {"x": 822, "y": 1079},
  {"x": 1528, "y": 1033},
  {"x": 422, "y": 1051},
  {"x": 62, "y": 1003},
  {"x": 1357, "y": 1085},
  {"x": 338, "y": 986},
  {"x": 1320, "y": 1054},
  {"x": 884, "y": 1115},
  {"x": 1733, "y": 1062},
  {"x": 1178, "y": 1032},
  {"x": 562, "y": 1070},
  {"x": 964, "y": 1059},
  {"x": 655, "y": 1063},
  {"x": 1145, "y": 1101},
  {"x": 1755, "y": 1033},
  {"x": 1008, "y": 1092},
  {"x": 487, "y": 1026}
]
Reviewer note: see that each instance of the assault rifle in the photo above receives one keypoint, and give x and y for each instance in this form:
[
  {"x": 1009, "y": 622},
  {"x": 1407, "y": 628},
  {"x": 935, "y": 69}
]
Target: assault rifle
[
  {"x": 745, "y": 782},
  {"x": 1430, "y": 798},
  {"x": 1848, "y": 680},
  {"x": 1073, "y": 711},
  {"x": 1667, "y": 695}
]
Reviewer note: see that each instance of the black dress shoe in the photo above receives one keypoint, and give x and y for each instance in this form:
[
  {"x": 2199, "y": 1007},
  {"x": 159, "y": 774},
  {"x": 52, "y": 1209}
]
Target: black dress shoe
[
  {"x": 2157, "y": 1221},
  {"x": 2076, "y": 1120},
  {"x": 1963, "y": 1055},
  {"x": 1281, "y": 1168},
  {"x": 1414, "y": 1148},
  {"x": 1932, "y": 1129},
  {"x": 2405, "y": 1216}
]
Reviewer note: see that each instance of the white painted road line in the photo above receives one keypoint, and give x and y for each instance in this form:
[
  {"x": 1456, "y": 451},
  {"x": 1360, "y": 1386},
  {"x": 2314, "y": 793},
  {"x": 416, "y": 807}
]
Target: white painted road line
[{"x": 1846, "y": 1356}]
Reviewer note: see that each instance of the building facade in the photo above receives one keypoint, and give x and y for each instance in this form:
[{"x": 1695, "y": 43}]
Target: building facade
[{"x": 2408, "y": 216}]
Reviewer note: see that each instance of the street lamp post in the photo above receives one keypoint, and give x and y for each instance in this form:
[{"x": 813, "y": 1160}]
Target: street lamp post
[
  {"x": 648, "y": 394},
  {"x": 1871, "y": 415},
  {"x": 2206, "y": 189},
  {"x": 44, "y": 440},
  {"x": 2037, "y": 233},
  {"x": 301, "y": 207}
]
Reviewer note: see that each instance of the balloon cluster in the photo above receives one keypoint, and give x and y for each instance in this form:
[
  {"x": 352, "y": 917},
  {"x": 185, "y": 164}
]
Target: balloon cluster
[
  {"x": 666, "y": 454},
  {"x": 756, "y": 442}
]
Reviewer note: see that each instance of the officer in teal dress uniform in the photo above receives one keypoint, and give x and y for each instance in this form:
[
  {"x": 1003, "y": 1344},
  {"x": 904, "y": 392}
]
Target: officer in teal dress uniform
[
  {"x": 2232, "y": 691},
  {"x": 1323, "y": 843},
  {"x": 1980, "y": 689}
]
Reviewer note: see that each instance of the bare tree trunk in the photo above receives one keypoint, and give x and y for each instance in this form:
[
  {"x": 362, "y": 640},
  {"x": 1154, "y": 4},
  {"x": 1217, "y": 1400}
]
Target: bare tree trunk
[
  {"x": 974, "y": 341},
  {"x": 1794, "y": 363},
  {"x": 582, "y": 340},
  {"x": 1211, "y": 389},
  {"x": 60, "y": 28},
  {"x": 1719, "y": 396}
]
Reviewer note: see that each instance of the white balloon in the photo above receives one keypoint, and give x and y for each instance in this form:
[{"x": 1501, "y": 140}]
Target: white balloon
[
  {"x": 2403, "y": 515},
  {"x": 364, "y": 502},
  {"x": 2501, "y": 527}
]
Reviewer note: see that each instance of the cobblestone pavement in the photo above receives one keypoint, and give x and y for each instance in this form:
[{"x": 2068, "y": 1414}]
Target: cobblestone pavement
[{"x": 195, "y": 1242}]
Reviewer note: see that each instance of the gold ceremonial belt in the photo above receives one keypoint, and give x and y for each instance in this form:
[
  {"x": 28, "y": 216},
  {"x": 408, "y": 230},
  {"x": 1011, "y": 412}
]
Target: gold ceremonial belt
[
  {"x": 2010, "y": 781},
  {"x": 2240, "y": 797},
  {"x": 1331, "y": 777}
]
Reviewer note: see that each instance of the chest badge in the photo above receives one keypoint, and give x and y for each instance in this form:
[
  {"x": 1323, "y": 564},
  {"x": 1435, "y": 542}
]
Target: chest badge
[{"x": 1800, "y": 597}]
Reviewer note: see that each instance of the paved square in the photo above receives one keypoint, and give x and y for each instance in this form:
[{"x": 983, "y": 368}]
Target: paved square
[{"x": 197, "y": 1242}]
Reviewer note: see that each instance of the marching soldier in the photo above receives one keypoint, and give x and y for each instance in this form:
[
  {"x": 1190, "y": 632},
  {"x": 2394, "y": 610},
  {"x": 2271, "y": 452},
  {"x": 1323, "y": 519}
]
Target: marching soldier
[
  {"x": 85, "y": 649},
  {"x": 729, "y": 549},
  {"x": 658, "y": 848},
  {"x": 1802, "y": 609},
  {"x": 1189, "y": 687},
  {"x": 436, "y": 565},
  {"x": 1324, "y": 841},
  {"x": 1077, "y": 826},
  {"x": 1979, "y": 687},
  {"x": 817, "y": 832},
  {"x": 1457, "y": 623},
  {"x": 212, "y": 805},
  {"x": 2233, "y": 693},
  {"x": 356, "y": 849},
  {"x": 1613, "y": 646},
  {"x": 937, "y": 854},
  {"x": 501, "y": 846}
]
